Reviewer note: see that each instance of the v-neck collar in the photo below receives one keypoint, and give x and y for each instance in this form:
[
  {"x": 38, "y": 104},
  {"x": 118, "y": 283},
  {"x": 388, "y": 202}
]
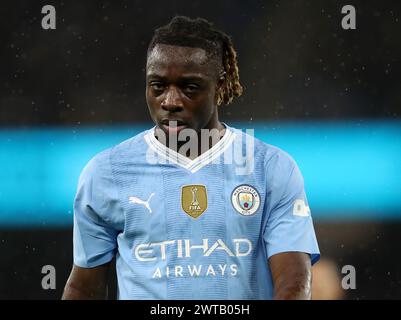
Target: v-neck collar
[{"x": 185, "y": 162}]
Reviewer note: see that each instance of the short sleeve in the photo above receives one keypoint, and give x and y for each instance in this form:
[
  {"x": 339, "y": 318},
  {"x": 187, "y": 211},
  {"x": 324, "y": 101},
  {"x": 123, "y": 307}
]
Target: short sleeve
[
  {"x": 95, "y": 236},
  {"x": 289, "y": 226}
]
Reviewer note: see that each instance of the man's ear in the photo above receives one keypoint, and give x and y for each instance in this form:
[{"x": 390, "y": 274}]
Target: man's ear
[
  {"x": 219, "y": 87},
  {"x": 222, "y": 78}
]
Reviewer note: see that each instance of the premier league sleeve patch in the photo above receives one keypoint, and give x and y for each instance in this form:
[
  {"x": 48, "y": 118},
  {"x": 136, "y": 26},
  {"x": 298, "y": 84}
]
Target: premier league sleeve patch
[{"x": 245, "y": 199}]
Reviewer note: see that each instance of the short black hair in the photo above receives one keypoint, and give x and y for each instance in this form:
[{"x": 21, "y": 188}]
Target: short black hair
[{"x": 200, "y": 33}]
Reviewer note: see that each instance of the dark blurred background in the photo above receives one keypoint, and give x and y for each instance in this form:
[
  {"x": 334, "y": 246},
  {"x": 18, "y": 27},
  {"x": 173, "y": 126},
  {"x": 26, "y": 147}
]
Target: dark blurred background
[{"x": 328, "y": 96}]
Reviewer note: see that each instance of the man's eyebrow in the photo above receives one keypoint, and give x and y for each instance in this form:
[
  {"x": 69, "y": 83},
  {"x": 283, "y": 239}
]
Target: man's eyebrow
[
  {"x": 193, "y": 78},
  {"x": 155, "y": 75},
  {"x": 189, "y": 77}
]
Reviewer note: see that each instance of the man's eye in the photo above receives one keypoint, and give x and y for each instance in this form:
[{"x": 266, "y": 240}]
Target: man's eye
[
  {"x": 191, "y": 88},
  {"x": 157, "y": 86}
]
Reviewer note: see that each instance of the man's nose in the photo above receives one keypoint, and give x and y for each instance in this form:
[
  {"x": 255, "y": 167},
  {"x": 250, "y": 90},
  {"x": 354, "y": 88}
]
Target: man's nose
[{"x": 172, "y": 101}]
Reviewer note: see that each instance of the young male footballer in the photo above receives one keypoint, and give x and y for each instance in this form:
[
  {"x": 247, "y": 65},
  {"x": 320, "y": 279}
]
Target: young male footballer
[{"x": 192, "y": 208}]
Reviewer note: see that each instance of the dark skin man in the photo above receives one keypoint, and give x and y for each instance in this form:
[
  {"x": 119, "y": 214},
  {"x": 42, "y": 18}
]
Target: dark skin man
[{"x": 181, "y": 88}]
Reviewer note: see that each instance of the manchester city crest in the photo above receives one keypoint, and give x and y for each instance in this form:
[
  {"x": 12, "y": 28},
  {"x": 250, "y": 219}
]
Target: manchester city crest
[{"x": 245, "y": 199}]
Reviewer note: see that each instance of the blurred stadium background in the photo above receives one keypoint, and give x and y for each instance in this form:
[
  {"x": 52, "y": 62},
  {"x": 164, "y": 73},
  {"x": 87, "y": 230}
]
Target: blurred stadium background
[{"x": 329, "y": 97}]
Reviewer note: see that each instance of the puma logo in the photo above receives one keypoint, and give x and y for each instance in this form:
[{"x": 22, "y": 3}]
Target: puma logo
[{"x": 142, "y": 202}]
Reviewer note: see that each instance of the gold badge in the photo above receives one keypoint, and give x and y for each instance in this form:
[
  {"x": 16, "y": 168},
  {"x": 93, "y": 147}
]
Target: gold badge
[{"x": 194, "y": 199}]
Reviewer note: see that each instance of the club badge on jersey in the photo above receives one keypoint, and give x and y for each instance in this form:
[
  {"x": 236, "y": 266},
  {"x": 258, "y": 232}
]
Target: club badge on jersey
[{"x": 245, "y": 200}]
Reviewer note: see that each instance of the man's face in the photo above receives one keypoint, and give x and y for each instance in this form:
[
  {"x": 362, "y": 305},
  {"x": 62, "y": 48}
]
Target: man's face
[{"x": 181, "y": 84}]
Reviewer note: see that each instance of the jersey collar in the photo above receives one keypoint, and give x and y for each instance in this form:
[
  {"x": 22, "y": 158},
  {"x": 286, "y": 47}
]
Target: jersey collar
[{"x": 185, "y": 162}]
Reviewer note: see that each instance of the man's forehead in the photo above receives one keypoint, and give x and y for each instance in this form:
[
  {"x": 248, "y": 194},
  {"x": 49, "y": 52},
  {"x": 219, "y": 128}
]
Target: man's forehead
[
  {"x": 164, "y": 55},
  {"x": 165, "y": 50}
]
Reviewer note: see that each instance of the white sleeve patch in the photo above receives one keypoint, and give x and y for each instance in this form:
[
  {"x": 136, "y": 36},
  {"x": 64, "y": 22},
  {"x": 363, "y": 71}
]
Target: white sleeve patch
[{"x": 301, "y": 209}]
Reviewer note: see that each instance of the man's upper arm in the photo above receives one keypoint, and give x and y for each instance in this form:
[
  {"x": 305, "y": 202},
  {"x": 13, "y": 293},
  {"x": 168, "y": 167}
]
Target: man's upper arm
[
  {"x": 289, "y": 226},
  {"x": 96, "y": 207}
]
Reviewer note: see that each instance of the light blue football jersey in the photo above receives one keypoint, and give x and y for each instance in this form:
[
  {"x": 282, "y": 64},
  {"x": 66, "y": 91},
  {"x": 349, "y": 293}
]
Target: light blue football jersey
[{"x": 191, "y": 229}]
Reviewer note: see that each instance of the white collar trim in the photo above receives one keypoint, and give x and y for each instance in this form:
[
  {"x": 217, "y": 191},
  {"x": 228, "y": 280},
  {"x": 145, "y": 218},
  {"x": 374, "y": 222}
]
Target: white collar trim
[{"x": 192, "y": 165}]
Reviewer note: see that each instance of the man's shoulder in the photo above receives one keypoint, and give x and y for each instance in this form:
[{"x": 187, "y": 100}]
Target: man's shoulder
[
  {"x": 130, "y": 148},
  {"x": 270, "y": 155}
]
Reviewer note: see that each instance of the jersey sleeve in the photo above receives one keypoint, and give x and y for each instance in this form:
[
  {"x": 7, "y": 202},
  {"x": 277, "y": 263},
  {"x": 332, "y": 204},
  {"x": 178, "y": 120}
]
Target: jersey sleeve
[
  {"x": 289, "y": 226},
  {"x": 96, "y": 201}
]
